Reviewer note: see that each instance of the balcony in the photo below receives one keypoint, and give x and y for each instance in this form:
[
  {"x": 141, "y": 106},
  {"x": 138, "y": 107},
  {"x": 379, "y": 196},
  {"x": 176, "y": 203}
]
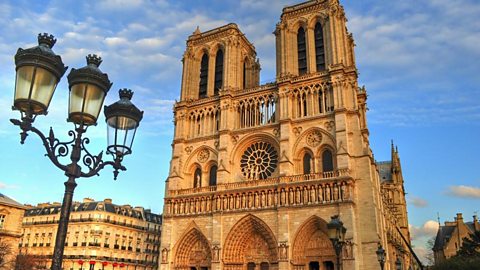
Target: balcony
[{"x": 286, "y": 191}]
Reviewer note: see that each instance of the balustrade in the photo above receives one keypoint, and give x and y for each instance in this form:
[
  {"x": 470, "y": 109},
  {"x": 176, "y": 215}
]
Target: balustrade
[{"x": 309, "y": 189}]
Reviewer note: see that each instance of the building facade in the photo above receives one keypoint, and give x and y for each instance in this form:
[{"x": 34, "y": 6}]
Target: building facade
[
  {"x": 450, "y": 237},
  {"x": 257, "y": 171},
  {"x": 11, "y": 214},
  {"x": 101, "y": 235}
]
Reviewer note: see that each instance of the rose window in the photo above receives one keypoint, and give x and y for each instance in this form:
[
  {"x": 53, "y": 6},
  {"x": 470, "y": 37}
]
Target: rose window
[{"x": 259, "y": 161}]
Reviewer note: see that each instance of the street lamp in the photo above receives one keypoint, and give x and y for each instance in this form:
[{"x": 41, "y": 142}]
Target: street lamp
[
  {"x": 336, "y": 233},
  {"x": 381, "y": 256},
  {"x": 398, "y": 264},
  {"x": 38, "y": 71}
]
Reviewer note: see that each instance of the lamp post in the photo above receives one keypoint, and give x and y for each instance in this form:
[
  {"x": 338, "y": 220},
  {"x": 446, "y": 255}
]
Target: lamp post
[
  {"x": 38, "y": 71},
  {"x": 336, "y": 233},
  {"x": 381, "y": 256}
]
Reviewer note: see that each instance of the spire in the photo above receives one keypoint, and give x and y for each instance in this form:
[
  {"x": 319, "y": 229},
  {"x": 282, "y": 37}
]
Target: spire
[
  {"x": 438, "y": 219},
  {"x": 197, "y": 31}
]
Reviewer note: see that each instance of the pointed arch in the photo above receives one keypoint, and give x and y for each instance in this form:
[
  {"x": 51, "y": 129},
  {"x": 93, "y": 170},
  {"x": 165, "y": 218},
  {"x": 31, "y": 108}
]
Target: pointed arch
[
  {"x": 301, "y": 51},
  {"x": 193, "y": 250},
  {"x": 218, "y": 71},
  {"x": 202, "y": 88},
  {"x": 319, "y": 47},
  {"x": 250, "y": 240},
  {"x": 311, "y": 243}
]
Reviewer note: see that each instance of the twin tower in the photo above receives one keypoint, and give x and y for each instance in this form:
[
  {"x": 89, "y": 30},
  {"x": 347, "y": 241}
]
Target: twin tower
[{"x": 257, "y": 171}]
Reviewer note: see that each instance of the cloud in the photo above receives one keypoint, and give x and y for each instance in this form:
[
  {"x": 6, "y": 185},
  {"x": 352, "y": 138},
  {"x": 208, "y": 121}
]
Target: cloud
[
  {"x": 464, "y": 192},
  {"x": 417, "y": 201},
  {"x": 7, "y": 186},
  {"x": 428, "y": 229}
]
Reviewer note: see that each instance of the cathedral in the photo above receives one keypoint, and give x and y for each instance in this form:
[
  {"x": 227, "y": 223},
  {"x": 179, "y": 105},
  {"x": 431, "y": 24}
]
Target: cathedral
[{"x": 261, "y": 174}]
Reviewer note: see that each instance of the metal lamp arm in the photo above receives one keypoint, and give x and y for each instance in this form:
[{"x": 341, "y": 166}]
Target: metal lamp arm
[
  {"x": 53, "y": 146},
  {"x": 99, "y": 164}
]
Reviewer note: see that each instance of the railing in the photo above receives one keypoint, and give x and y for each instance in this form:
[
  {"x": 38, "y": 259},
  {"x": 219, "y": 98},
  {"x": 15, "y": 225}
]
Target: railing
[
  {"x": 264, "y": 182},
  {"x": 290, "y": 191}
]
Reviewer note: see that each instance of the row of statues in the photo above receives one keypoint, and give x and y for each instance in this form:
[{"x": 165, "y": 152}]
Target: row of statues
[{"x": 265, "y": 198}]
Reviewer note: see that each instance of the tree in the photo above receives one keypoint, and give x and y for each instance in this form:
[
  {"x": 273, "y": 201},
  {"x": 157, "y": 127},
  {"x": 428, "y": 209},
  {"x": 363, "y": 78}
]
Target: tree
[
  {"x": 429, "y": 256},
  {"x": 5, "y": 254},
  {"x": 26, "y": 262},
  {"x": 470, "y": 246}
]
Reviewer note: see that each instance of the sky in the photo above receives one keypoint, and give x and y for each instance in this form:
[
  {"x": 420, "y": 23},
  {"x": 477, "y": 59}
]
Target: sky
[{"x": 417, "y": 59}]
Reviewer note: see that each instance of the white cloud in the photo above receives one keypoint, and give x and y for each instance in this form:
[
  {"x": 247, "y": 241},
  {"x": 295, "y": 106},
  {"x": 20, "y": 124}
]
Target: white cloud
[
  {"x": 7, "y": 186},
  {"x": 417, "y": 201},
  {"x": 462, "y": 191},
  {"x": 428, "y": 229}
]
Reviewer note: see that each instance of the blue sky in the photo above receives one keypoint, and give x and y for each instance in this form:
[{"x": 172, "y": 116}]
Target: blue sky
[{"x": 418, "y": 60}]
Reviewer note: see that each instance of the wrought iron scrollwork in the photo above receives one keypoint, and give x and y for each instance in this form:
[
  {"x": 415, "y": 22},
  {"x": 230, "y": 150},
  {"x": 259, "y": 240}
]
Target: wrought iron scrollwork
[{"x": 56, "y": 150}]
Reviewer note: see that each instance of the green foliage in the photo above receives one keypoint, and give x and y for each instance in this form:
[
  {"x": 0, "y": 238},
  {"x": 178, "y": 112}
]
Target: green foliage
[
  {"x": 459, "y": 263},
  {"x": 470, "y": 246},
  {"x": 468, "y": 257}
]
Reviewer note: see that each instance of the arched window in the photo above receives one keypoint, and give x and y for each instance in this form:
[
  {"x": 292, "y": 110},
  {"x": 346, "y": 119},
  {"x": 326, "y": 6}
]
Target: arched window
[
  {"x": 327, "y": 161},
  {"x": 197, "y": 178},
  {"x": 212, "y": 181},
  {"x": 203, "y": 77},
  {"x": 319, "y": 47},
  {"x": 307, "y": 163},
  {"x": 218, "y": 71},
  {"x": 302, "y": 51}
]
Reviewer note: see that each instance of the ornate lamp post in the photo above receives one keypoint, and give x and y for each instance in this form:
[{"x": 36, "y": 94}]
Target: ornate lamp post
[
  {"x": 336, "y": 233},
  {"x": 381, "y": 255},
  {"x": 38, "y": 71}
]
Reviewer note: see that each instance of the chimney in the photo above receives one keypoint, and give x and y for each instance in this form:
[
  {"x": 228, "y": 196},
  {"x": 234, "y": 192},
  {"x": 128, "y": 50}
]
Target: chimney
[
  {"x": 108, "y": 200},
  {"x": 476, "y": 225},
  {"x": 88, "y": 200},
  {"x": 459, "y": 218}
]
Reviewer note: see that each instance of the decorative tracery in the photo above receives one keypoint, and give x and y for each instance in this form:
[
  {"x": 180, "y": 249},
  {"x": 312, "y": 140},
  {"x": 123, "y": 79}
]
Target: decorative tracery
[{"x": 259, "y": 161}]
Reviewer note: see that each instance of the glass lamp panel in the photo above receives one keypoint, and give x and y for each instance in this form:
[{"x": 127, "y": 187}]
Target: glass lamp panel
[
  {"x": 121, "y": 132},
  {"x": 85, "y": 103},
  {"x": 36, "y": 97}
]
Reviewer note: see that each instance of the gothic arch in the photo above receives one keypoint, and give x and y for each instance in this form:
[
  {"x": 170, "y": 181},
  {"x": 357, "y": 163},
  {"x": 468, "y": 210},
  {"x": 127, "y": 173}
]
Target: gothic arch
[
  {"x": 327, "y": 139},
  {"x": 244, "y": 144},
  {"x": 311, "y": 243},
  {"x": 193, "y": 250},
  {"x": 321, "y": 18},
  {"x": 250, "y": 240},
  {"x": 193, "y": 156}
]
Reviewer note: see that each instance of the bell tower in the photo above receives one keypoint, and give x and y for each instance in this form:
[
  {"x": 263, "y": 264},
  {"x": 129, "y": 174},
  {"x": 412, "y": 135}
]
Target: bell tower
[
  {"x": 218, "y": 59},
  {"x": 258, "y": 171}
]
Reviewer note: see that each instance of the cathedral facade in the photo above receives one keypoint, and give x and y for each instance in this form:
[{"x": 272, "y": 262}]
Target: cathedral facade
[{"x": 258, "y": 171}]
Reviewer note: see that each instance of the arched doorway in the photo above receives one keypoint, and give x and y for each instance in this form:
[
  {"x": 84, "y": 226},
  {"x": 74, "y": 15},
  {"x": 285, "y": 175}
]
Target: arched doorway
[
  {"x": 251, "y": 245},
  {"x": 312, "y": 249},
  {"x": 193, "y": 252}
]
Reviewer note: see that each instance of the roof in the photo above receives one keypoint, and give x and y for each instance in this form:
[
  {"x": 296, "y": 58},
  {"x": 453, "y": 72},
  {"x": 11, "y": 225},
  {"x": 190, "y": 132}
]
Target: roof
[
  {"x": 385, "y": 170},
  {"x": 105, "y": 206},
  {"x": 445, "y": 233},
  {"x": 10, "y": 202}
]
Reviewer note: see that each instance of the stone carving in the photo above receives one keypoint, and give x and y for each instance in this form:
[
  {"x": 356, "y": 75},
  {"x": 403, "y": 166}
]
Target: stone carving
[
  {"x": 330, "y": 125},
  {"x": 283, "y": 251},
  {"x": 259, "y": 161},
  {"x": 165, "y": 255},
  {"x": 234, "y": 139},
  {"x": 216, "y": 253},
  {"x": 276, "y": 132},
  {"x": 189, "y": 149},
  {"x": 297, "y": 131},
  {"x": 203, "y": 155},
  {"x": 314, "y": 138}
]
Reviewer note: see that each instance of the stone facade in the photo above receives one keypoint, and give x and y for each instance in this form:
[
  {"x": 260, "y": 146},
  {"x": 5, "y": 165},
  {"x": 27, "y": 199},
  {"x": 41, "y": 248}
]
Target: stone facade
[
  {"x": 450, "y": 237},
  {"x": 101, "y": 235},
  {"x": 11, "y": 214},
  {"x": 257, "y": 171}
]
